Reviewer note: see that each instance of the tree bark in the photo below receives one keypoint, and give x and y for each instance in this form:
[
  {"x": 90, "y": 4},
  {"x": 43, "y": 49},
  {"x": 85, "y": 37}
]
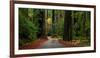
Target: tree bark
[
  {"x": 53, "y": 22},
  {"x": 84, "y": 20},
  {"x": 67, "y": 26},
  {"x": 41, "y": 22}
]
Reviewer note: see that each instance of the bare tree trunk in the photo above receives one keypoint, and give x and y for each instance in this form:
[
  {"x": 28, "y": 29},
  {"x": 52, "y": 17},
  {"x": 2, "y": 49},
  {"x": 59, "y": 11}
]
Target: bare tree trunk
[
  {"x": 84, "y": 20},
  {"x": 46, "y": 17},
  {"x": 53, "y": 21},
  {"x": 67, "y": 26},
  {"x": 72, "y": 24},
  {"x": 43, "y": 23}
]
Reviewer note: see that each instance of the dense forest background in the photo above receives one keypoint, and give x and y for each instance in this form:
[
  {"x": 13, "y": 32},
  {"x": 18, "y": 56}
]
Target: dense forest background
[{"x": 66, "y": 25}]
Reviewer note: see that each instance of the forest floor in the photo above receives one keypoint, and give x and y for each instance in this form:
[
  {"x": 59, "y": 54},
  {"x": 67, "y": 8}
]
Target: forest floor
[
  {"x": 34, "y": 44},
  {"x": 51, "y": 43}
]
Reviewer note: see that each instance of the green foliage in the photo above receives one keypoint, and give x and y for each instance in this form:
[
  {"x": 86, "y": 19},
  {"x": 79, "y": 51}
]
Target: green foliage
[
  {"x": 81, "y": 22},
  {"x": 27, "y": 29}
]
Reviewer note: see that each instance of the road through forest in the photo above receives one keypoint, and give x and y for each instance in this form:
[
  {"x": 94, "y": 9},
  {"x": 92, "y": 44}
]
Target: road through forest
[{"x": 52, "y": 43}]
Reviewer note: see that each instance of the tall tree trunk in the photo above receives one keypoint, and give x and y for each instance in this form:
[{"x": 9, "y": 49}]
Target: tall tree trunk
[
  {"x": 67, "y": 26},
  {"x": 41, "y": 22},
  {"x": 53, "y": 22},
  {"x": 86, "y": 32},
  {"x": 46, "y": 17},
  {"x": 72, "y": 24},
  {"x": 84, "y": 20}
]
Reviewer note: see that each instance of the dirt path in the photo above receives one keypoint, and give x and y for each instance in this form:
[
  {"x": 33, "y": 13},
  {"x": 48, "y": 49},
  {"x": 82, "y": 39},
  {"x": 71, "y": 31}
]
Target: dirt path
[
  {"x": 43, "y": 43},
  {"x": 52, "y": 43}
]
